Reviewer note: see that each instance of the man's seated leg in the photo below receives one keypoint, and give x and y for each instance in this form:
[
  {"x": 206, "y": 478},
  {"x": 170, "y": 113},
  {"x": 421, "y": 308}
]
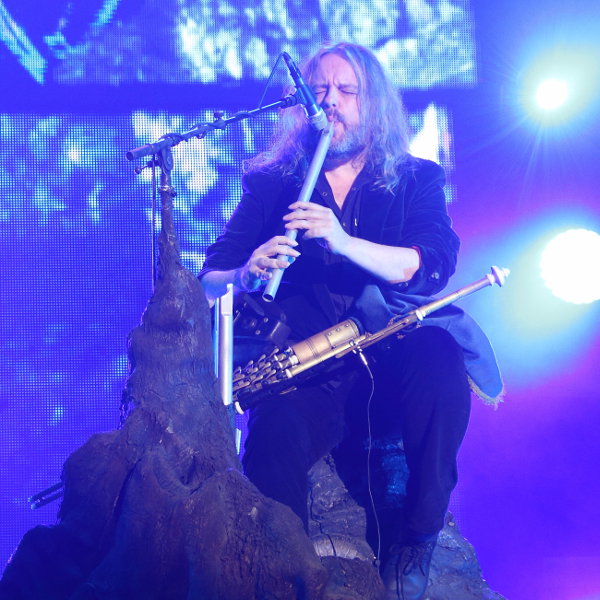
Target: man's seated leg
[
  {"x": 426, "y": 396},
  {"x": 287, "y": 434}
]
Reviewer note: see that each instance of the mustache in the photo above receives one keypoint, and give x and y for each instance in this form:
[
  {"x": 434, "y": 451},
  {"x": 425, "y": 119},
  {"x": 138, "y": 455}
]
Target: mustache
[{"x": 334, "y": 115}]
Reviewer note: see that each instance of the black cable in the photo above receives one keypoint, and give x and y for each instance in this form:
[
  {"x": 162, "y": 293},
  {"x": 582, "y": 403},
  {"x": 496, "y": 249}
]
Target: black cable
[
  {"x": 364, "y": 361},
  {"x": 269, "y": 80}
]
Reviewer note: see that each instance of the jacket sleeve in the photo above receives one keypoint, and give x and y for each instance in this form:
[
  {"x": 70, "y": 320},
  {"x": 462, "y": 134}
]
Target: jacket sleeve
[
  {"x": 245, "y": 230},
  {"x": 428, "y": 228}
]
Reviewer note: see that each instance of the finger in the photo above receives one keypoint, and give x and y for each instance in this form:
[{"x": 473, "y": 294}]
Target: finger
[
  {"x": 310, "y": 208},
  {"x": 298, "y": 205},
  {"x": 321, "y": 224},
  {"x": 298, "y": 214},
  {"x": 287, "y": 250},
  {"x": 291, "y": 252},
  {"x": 265, "y": 263},
  {"x": 314, "y": 232},
  {"x": 302, "y": 205},
  {"x": 321, "y": 219},
  {"x": 280, "y": 249},
  {"x": 283, "y": 240},
  {"x": 299, "y": 224},
  {"x": 307, "y": 213}
]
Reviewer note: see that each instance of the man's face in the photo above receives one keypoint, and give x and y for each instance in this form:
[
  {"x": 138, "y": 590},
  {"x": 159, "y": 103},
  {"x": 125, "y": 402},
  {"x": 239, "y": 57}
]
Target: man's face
[{"x": 336, "y": 88}]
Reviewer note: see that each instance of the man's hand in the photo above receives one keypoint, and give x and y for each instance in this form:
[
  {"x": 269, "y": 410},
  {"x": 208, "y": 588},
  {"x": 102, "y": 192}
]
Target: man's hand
[
  {"x": 256, "y": 270},
  {"x": 390, "y": 263},
  {"x": 318, "y": 222},
  {"x": 264, "y": 258}
]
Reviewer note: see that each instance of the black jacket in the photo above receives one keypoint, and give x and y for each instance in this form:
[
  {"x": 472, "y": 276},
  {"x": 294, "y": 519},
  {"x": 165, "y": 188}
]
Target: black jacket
[{"x": 414, "y": 216}]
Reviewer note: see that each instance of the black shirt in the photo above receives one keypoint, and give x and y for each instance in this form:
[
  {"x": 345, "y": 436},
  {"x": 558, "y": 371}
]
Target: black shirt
[{"x": 344, "y": 279}]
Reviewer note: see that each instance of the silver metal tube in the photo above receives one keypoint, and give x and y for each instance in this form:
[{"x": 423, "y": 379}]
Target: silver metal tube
[
  {"x": 305, "y": 194},
  {"x": 223, "y": 340}
]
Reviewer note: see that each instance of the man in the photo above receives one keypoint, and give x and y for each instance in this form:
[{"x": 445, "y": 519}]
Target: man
[{"x": 374, "y": 233}]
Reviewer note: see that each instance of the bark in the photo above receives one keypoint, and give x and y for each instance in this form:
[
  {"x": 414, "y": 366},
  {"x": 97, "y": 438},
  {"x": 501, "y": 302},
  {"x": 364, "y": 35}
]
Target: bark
[{"x": 159, "y": 509}]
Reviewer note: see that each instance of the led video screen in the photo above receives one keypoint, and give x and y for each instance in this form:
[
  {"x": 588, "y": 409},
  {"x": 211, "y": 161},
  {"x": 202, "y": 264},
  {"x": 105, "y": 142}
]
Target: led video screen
[{"x": 75, "y": 221}]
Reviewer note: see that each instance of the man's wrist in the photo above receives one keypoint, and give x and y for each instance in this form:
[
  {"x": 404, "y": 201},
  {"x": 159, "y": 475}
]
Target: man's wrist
[
  {"x": 345, "y": 246},
  {"x": 237, "y": 279},
  {"x": 243, "y": 280}
]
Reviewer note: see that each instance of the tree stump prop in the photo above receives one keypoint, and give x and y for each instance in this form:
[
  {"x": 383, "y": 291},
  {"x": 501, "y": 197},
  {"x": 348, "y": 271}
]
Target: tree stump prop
[{"x": 159, "y": 508}]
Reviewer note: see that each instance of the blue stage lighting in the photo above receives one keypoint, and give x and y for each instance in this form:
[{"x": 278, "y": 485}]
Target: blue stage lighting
[
  {"x": 570, "y": 266},
  {"x": 560, "y": 84},
  {"x": 535, "y": 333},
  {"x": 552, "y": 93}
]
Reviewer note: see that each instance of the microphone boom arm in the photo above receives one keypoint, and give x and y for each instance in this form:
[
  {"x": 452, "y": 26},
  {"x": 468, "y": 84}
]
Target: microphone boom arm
[{"x": 201, "y": 129}]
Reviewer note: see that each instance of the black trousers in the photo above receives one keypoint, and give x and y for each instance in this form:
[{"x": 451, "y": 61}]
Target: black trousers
[{"x": 421, "y": 394}]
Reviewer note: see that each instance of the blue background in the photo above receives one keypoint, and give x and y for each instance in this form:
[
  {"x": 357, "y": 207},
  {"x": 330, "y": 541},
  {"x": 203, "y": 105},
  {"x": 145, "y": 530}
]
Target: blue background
[{"x": 82, "y": 82}]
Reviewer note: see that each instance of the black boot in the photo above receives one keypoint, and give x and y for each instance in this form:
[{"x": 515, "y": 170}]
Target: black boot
[{"x": 406, "y": 573}]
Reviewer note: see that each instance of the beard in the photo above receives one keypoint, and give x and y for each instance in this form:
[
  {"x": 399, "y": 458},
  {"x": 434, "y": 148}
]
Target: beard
[{"x": 347, "y": 147}]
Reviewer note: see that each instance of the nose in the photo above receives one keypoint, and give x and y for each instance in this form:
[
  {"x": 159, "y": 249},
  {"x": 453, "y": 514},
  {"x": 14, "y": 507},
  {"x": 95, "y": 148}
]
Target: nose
[{"x": 330, "y": 99}]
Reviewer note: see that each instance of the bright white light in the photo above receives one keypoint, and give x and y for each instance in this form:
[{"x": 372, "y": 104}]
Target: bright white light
[
  {"x": 552, "y": 93},
  {"x": 426, "y": 142},
  {"x": 74, "y": 155},
  {"x": 561, "y": 83},
  {"x": 570, "y": 266}
]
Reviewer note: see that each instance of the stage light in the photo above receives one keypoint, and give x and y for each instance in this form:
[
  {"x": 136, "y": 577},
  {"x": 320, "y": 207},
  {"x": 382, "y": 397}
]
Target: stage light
[
  {"x": 570, "y": 266},
  {"x": 545, "y": 318},
  {"x": 552, "y": 93},
  {"x": 560, "y": 84}
]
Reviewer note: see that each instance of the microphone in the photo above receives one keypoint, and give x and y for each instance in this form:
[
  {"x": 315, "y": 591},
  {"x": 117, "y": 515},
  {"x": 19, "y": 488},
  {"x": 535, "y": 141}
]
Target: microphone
[{"x": 315, "y": 114}]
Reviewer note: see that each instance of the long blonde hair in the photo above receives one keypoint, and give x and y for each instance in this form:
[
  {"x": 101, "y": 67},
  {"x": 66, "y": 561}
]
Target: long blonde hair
[{"x": 381, "y": 111}]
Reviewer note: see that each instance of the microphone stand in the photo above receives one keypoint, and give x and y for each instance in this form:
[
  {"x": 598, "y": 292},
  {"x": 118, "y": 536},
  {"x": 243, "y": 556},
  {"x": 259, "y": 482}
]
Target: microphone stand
[
  {"x": 201, "y": 129},
  {"x": 161, "y": 154},
  {"x": 160, "y": 151}
]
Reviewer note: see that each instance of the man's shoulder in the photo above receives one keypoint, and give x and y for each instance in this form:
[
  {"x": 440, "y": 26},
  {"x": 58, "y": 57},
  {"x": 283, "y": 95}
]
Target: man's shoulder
[
  {"x": 420, "y": 171},
  {"x": 268, "y": 179},
  {"x": 422, "y": 166}
]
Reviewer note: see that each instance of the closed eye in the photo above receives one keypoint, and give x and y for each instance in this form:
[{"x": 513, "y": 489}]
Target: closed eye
[{"x": 350, "y": 90}]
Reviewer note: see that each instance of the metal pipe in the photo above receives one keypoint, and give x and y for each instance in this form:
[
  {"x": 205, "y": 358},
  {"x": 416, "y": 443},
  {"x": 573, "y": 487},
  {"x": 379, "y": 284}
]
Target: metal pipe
[
  {"x": 305, "y": 194},
  {"x": 224, "y": 344}
]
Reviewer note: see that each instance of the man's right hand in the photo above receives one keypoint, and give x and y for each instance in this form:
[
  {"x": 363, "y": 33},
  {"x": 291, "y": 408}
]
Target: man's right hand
[
  {"x": 263, "y": 259},
  {"x": 250, "y": 276}
]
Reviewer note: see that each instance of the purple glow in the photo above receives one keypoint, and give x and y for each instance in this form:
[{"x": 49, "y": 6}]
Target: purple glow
[{"x": 76, "y": 267}]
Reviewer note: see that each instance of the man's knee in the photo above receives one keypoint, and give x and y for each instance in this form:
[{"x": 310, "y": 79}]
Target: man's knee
[
  {"x": 277, "y": 429},
  {"x": 425, "y": 372}
]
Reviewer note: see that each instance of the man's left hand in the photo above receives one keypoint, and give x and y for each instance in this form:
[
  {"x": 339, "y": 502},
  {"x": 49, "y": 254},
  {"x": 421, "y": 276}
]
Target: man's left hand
[{"x": 318, "y": 222}]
